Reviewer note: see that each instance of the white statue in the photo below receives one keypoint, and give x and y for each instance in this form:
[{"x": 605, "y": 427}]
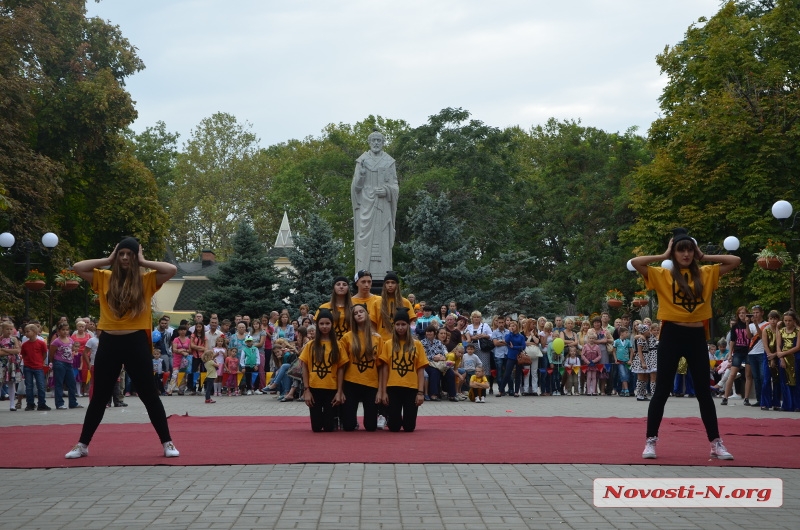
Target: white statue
[{"x": 374, "y": 194}]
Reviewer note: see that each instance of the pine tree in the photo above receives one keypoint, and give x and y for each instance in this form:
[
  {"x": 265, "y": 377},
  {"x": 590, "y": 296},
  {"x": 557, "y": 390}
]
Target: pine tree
[
  {"x": 315, "y": 259},
  {"x": 248, "y": 283},
  {"x": 438, "y": 270}
]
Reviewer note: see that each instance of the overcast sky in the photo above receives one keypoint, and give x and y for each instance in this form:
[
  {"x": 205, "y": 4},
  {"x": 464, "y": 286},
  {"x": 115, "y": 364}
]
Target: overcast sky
[{"x": 291, "y": 67}]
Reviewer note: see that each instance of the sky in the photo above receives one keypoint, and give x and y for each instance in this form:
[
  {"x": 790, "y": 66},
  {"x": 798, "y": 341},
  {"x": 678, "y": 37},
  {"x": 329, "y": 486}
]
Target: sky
[{"x": 291, "y": 67}]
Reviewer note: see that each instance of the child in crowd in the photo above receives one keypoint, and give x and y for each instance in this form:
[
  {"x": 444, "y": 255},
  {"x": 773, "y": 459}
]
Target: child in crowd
[
  {"x": 158, "y": 370},
  {"x": 573, "y": 385},
  {"x": 478, "y": 384},
  {"x": 470, "y": 362},
  {"x": 683, "y": 380},
  {"x": 249, "y": 359},
  {"x": 591, "y": 356},
  {"x": 33, "y": 354},
  {"x": 232, "y": 371},
  {"x": 211, "y": 373},
  {"x": 9, "y": 350},
  {"x": 61, "y": 358},
  {"x": 623, "y": 350},
  {"x": 639, "y": 364},
  {"x": 323, "y": 364},
  {"x": 219, "y": 358},
  {"x": 553, "y": 379}
]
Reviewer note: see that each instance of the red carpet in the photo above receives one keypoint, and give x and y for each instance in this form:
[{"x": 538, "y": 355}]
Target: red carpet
[{"x": 525, "y": 440}]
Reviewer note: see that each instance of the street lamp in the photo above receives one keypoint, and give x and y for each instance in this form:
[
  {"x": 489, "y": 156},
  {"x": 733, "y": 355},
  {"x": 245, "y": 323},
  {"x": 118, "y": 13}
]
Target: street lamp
[
  {"x": 49, "y": 242},
  {"x": 781, "y": 211}
]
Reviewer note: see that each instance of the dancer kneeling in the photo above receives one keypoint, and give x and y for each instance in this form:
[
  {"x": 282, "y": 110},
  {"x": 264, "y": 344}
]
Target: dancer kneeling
[
  {"x": 402, "y": 370},
  {"x": 323, "y": 365},
  {"x": 361, "y": 381}
]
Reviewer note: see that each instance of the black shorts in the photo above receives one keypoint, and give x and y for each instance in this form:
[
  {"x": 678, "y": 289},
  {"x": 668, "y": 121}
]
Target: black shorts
[{"x": 738, "y": 359}]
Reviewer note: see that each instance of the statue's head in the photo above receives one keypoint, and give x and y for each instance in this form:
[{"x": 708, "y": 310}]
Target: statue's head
[{"x": 376, "y": 141}]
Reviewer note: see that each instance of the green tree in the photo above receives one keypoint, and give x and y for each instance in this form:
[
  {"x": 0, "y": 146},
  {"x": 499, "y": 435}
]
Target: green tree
[
  {"x": 247, "y": 282},
  {"x": 218, "y": 184},
  {"x": 157, "y": 149},
  {"x": 315, "y": 259},
  {"x": 441, "y": 267},
  {"x": 726, "y": 143}
]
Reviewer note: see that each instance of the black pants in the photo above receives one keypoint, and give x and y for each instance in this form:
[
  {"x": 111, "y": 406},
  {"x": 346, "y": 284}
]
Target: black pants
[
  {"x": 136, "y": 353},
  {"x": 197, "y": 367},
  {"x": 676, "y": 342},
  {"x": 248, "y": 376},
  {"x": 353, "y": 394},
  {"x": 210, "y": 387},
  {"x": 323, "y": 414},
  {"x": 402, "y": 410}
]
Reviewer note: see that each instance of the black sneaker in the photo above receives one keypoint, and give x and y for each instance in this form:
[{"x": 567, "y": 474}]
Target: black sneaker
[
  {"x": 724, "y": 401},
  {"x": 746, "y": 402},
  {"x": 30, "y": 407},
  {"x": 43, "y": 407}
]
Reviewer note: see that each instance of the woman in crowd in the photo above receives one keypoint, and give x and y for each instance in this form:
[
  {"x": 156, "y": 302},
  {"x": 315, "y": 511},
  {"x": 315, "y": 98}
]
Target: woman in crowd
[
  {"x": 436, "y": 352},
  {"x": 284, "y": 329},
  {"x": 81, "y": 335},
  {"x": 771, "y": 391},
  {"x": 530, "y": 383},
  {"x": 740, "y": 337},
  {"x": 125, "y": 293},
  {"x": 259, "y": 339},
  {"x": 198, "y": 347},
  {"x": 684, "y": 305},
  {"x": 442, "y": 313}
]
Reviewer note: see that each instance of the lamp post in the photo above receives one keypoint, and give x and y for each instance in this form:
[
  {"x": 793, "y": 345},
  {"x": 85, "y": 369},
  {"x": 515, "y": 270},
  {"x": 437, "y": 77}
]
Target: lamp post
[
  {"x": 781, "y": 211},
  {"x": 49, "y": 242}
]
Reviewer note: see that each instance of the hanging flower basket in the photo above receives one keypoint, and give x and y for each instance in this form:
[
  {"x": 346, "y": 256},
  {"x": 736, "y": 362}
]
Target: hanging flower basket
[
  {"x": 34, "y": 285},
  {"x": 68, "y": 279},
  {"x": 69, "y": 285},
  {"x": 770, "y": 264},
  {"x": 640, "y": 299},
  {"x": 613, "y": 302},
  {"x": 615, "y": 298}
]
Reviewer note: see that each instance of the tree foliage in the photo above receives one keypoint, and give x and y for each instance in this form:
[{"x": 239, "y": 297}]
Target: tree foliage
[
  {"x": 247, "y": 282},
  {"x": 315, "y": 258},
  {"x": 726, "y": 147},
  {"x": 440, "y": 267}
]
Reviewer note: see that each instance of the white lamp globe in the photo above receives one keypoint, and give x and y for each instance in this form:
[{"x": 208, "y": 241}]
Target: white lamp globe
[
  {"x": 667, "y": 264},
  {"x": 50, "y": 240},
  {"x": 630, "y": 266},
  {"x": 7, "y": 240},
  {"x": 731, "y": 243},
  {"x": 781, "y": 210}
]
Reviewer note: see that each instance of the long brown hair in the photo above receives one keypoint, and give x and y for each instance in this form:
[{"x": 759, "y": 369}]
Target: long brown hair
[
  {"x": 694, "y": 270},
  {"x": 386, "y": 310},
  {"x": 318, "y": 349},
  {"x": 356, "y": 348},
  {"x": 125, "y": 295},
  {"x": 408, "y": 348},
  {"x": 348, "y": 308}
]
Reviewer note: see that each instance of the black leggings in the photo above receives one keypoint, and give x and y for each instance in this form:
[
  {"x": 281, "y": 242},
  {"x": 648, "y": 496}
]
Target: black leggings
[
  {"x": 355, "y": 393},
  {"x": 323, "y": 414},
  {"x": 676, "y": 342},
  {"x": 402, "y": 409},
  {"x": 134, "y": 351}
]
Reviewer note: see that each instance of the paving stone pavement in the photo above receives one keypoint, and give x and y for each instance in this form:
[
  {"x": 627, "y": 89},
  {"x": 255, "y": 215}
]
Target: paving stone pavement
[{"x": 368, "y": 496}]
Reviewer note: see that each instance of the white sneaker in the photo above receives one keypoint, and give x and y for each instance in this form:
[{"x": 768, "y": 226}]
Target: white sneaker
[
  {"x": 62, "y": 407},
  {"x": 381, "y": 422},
  {"x": 257, "y": 392},
  {"x": 718, "y": 450},
  {"x": 78, "y": 451},
  {"x": 249, "y": 392},
  {"x": 482, "y": 399},
  {"x": 556, "y": 393},
  {"x": 169, "y": 450},
  {"x": 650, "y": 447}
]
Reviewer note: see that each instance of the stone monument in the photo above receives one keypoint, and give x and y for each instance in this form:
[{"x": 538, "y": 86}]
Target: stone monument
[{"x": 374, "y": 193}]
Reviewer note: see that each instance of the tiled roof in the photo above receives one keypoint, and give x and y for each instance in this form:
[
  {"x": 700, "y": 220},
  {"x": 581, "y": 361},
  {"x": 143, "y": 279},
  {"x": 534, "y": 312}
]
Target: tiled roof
[
  {"x": 195, "y": 268},
  {"x": 191, "y": 291}
]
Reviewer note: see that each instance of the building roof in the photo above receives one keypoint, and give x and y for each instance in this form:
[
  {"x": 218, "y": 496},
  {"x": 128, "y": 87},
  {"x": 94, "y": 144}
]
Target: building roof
[
  {"x": 190, "y": 293},
  {"x": 284, "y": 239}
]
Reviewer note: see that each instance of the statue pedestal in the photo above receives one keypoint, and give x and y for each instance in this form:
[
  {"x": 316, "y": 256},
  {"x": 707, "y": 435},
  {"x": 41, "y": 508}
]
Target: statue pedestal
[{"x": 377, "y": 287}]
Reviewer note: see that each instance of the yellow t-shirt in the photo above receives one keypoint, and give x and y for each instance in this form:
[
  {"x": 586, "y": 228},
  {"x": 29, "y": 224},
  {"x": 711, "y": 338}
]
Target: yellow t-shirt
[
  {"x": 322, "y": 375},
  {"x": 403, "y": 370},
  {"x": 339, "y": 328},
  {"x": 672, "y": 307},
  {"x": 144, "y": 320},
  {"x": 370, "y": 303},
  {"x": 478, "y": 380},
  {"x": 377, "y": 318},
  {"x": 360, "y": 370}
]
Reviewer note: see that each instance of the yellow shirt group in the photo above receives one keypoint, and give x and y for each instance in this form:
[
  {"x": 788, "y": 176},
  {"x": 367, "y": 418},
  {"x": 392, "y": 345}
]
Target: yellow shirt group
[{"x": 360, "y": 370}]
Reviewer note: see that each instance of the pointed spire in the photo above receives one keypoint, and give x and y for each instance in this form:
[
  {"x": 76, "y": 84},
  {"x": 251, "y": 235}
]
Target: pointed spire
[{"x": 284, "y": 239}]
